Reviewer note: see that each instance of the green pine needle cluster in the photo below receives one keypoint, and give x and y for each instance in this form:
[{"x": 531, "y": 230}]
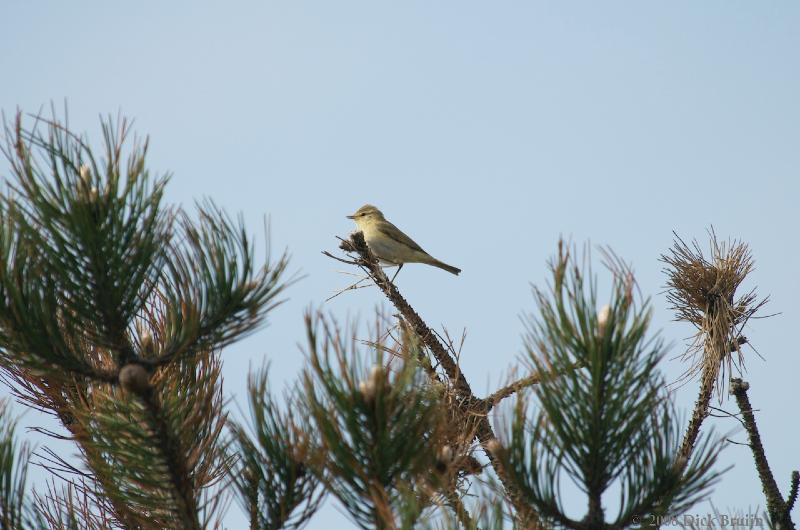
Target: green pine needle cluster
[
  {"x": 609, "y": 422},
  {"x": 379, "y": 429},
  {"x": 277, "y": 488},
  {"x": 113, "y": 310},
  {"x": 15, "y": 512}
]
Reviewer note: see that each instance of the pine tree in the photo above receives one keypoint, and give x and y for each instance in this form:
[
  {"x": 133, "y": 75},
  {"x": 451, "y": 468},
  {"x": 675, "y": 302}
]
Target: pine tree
[{"x": 116, "y": 309}]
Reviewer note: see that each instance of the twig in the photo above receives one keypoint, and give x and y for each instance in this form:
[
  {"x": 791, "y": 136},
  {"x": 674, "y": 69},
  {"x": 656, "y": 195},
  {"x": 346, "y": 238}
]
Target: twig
[
  {"x": 516, "y": 386},
  {"x": 533, "y": 379},
  {"x": 776, "y": 506},
  {"x": 337, "y": 258},
  {"x": 725, "y": 414},
  {"x": 734, "y": 442},
  {"x": 352, "y": 287},
  {"x": 469, "y": 405}
]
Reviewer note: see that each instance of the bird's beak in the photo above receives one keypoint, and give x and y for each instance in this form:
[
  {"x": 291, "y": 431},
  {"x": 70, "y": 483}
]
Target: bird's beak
[{"x": 351, "y": 216}]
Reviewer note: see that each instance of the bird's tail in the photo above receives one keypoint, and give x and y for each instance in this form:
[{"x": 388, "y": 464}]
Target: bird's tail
[{"x": 445, "y": 266}]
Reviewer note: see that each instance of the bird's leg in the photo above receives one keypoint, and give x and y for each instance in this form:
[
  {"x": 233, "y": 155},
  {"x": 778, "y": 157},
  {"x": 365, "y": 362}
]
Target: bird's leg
[{"x": 399, "y": 266}]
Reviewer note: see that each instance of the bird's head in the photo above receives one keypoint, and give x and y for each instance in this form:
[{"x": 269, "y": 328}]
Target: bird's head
[{"x": 366, "y": 214}]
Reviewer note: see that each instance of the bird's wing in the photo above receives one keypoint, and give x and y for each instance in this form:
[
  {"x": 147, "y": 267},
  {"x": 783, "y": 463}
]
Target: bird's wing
[{"x": 391, "y": 231}]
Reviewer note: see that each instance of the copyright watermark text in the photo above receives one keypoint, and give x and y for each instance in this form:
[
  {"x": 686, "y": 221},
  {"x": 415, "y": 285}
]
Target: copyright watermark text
[{"x": 700, "y": 520}]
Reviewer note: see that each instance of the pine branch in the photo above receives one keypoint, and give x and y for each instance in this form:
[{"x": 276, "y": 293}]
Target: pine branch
[
  {"x": 370, "y": 263},
  {"x": 460, "y": 510},
  {"x": 793, "y": 488},
  {"x": 212, "y": 294},
  {"x": 83, "y": 237},
  {"x": 146, "y": 458},
  {"x": 175, "y": 459},
  {"x": 702, "y": 406},
  {"x": 777, "y": 507},
  {"x": 378, "y": 428},
  {"x": 108, "y": 313},
  {"x": 605, "y": 424},
  {"x": 700, "y": 413},
  {"x": 15, "y": 510},
  {"x": 103, "y": 486},
  {"x": 509, "y": 390},
  {"x": 469, "y": 405},
  {"x": 60, "y": 397},
  {"x": 703, "y": 292},
  {"x": 276, "y": 487}
]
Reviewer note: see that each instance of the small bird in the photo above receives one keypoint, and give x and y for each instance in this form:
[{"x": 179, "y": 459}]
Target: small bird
[{"x": 389, "y": 244}]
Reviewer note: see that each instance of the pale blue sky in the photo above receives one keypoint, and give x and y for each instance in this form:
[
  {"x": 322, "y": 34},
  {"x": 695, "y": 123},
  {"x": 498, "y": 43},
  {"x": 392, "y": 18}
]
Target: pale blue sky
[{"x": 484, "y": 130}]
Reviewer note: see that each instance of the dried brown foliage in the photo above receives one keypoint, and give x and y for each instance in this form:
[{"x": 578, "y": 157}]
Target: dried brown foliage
[{"x": 702, "y": 290}]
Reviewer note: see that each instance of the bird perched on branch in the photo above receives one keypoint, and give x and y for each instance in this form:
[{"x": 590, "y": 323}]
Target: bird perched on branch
[{"x": 389, "y": 244}]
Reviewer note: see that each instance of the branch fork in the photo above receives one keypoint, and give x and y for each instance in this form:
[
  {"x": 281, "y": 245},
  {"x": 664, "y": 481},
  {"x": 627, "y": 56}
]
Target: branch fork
[{"x": 468, "y": 404}]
